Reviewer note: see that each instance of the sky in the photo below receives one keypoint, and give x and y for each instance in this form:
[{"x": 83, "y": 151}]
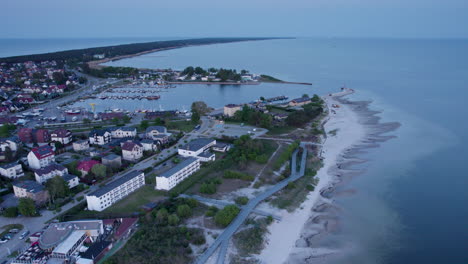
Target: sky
[{"x": 217, "y": 18}]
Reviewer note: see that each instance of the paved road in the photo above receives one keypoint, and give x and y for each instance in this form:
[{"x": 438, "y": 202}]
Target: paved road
[{"x": 247, "y": 209}]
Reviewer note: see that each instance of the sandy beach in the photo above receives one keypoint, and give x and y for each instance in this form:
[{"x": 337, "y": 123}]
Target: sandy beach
[{"x": 291, "y": 240}]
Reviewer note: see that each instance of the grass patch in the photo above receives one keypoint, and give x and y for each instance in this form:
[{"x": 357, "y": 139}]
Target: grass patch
[
  {"x": 268, "y": 78},
  {"x": 134, "y": 201},
  {"x": 278, "y": 130},
  {"x": 183, "y": 125},
  {"x": 251, "y": 240},
  {"x": 7, "y": 228}
]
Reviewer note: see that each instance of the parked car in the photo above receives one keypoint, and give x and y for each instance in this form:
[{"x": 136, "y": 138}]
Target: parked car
[
  {"x": 24, "y": 234},
  {"x": 14, "y": 230},
  {"x": 3, "y": 240}
]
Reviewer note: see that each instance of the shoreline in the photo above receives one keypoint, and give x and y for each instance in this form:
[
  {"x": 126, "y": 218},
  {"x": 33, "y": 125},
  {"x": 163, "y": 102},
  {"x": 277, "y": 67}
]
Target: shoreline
[{"x": 295, "y": 238}]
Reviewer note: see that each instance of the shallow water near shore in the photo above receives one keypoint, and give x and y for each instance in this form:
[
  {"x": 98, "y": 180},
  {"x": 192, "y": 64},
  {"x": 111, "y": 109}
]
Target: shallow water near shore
[{"x": 409, "y": 205}]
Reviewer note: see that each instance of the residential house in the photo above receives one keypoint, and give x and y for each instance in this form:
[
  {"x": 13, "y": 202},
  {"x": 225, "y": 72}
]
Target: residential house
[
  {"x": 149, "y": 145},
  {"x": 41, "y": 136},
  {"x": 31, "y": 189},
  {"x": 99, "y": 137},
  {"x": 173, "y": 176},
  {"x": 155, "y": 130},
  {"x": 231, "y": 109},
  {"x": 300, "y": 101},
  {"x": 123, "y": 132},
  {"x": 198, "y": 148},
  {"x": 25, "y": 134},
  {"x": 115, "y": 191},
  {"x": 71, "y": 179},
  {"x": 61, "y": 135},
  {"x": 9, "y": 143},
  {"x": 112, "y": 160},
  {"x": 40, "y": 157},
  {"x": 11, "y": 170},
  {"x": 132, "y": 150},
  {"x": 81, "y": 145},
  {"x": 85, "y": 166},
  {"x": 48, "y": 172}
]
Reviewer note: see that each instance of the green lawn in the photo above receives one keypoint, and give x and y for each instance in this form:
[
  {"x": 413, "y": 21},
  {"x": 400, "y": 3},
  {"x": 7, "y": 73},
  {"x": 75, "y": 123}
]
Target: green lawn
[
  {"x": 134, "y": 201},
  {"x": 280, "y": 130},
  {"x": 183, "y": 125}
]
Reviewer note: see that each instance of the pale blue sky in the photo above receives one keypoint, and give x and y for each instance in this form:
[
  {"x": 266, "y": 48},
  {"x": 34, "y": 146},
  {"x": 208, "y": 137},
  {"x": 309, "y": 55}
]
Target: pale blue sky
[{"x": 200, "y": 18}]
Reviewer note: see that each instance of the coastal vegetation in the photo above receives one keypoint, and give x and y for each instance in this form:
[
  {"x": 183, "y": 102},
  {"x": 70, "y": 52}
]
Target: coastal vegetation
[
  {"x": 268, "y": 78},
  {"x": 225, "y": 216},
  {"x": 162, "y": 237},
  {"x": 251, "y": 240},
  {"x": 88, "y": 54}
]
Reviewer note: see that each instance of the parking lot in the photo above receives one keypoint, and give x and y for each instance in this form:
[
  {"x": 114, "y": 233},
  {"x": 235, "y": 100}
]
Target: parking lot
[{"x": 234, "y": 130}]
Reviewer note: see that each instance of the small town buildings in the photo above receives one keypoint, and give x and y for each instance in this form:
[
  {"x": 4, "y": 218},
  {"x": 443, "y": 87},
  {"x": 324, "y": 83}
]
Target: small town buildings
[
  {"x": 155, "y": 130},
  {"x": 61, "y": 135},
  {"x": 11, "y": 170},
  {"x": 132, "y": 150},
  {"x": 31, "y": 189},
  {"x": 25, "y": 135},
  {"x": 71, "y": 179},
  {"x": 115, "y": 191},
  {"x": 300, "y": 101},
  {"x": 123, "y": 132},
  {"x": 9, "y": 143},
  {"x": 81, "y": 145},
  {"x": 231, "y": 109},
  {"x": 173, "y": 176},
  {"x": 41, "y": 136},
  {"x": 221, "y": 147},
  {"x": 198, "y": 148},
  {"x": 112, "y": 161},
  {"x": 40, "y": 157},
  {"x": 95, "y": 252},
  {"x": 100, "y": 137},
  {"x": 48, "y": 172},
  {"x": 149, "y": 145},
  {"x": 85, "y": 166},
  {"x": 66, "y": 238}
]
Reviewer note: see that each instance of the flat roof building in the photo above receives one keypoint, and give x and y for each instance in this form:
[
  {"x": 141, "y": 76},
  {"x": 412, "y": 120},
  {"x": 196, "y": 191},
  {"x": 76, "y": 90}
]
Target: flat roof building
[
  {"x": 115, "y": 191},
  {"x": 173, "y": 176}
]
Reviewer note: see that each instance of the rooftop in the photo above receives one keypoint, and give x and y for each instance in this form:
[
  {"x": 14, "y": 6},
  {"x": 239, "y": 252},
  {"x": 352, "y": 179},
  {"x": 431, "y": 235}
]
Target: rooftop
[
  {"x": 181, "y": 165},
  {"x": 48, "y": 169},
  {"x": 43, "y": 151},
  {"x": 57, "y": 233},
  {"x": 95, "y": 249},
  {"x": 111, "y": 157},
  {"x": 112, "y": 185},
  {"x": 160, "y": 129},
  {"x": 30, "y": 186},
  {"x": 197, "y": 144},
  {"x": 9, "y": 165}
]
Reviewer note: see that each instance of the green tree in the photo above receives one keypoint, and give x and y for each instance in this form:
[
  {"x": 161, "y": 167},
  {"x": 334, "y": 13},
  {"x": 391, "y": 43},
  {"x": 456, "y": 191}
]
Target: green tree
[
  {"x": 57, "y": 187},
  {"x": 225, "y": 216},
  {"x": 82, "y": 80},
  {"x": 200, "y": 107},
  {"x": 59, "y": 78},
  {"x": 99, "y": 170},
  {"x": 173, "y": 220},
  {"x": 86, "y": 121},
  {"x": 195, "y": 117},
  {"x": 144, "y": 124},
  {"x": 161, "y": 216},
  {"x": 184, "y": 211},
  {"x": 26, "y": 206},
  {"x": 11, "y": 212}
]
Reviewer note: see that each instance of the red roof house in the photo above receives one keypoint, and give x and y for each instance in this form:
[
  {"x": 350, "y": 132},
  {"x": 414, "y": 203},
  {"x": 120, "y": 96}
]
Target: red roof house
[{"x": 86, "y": 165}]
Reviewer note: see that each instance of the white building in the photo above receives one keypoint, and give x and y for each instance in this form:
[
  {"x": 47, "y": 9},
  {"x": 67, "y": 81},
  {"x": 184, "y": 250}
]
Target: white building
[
  {"x": 49, "y": 171},
  {"x": 149, "y": 145},
  {"x": 170, "y": 178},
  {"x": 31, "y": 189},
  {"x": 72, "y": 180},
  {"x": 8, "y": 143},
  {"x": 115, "y": 191},
  {"x": 66, "y": 238},
  {"x": 61, "y": 135},
  {"x": 40, "y": 157},
  {"x": 11, "y": 170},
  {"x": 198, "y": 148},
  {"x": 132, "y": 151},
  {"x": 81, "y": 145},
  {"x": 100, "y": 137},
  {"x": 123, "y": 132}
]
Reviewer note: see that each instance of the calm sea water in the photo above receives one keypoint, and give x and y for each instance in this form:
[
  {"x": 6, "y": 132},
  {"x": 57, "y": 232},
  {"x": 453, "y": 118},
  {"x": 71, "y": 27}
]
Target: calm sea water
[{"x": 410, "y": 204}]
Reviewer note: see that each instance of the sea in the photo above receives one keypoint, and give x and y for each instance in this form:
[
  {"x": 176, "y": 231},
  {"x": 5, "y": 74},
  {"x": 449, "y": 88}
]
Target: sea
[{"x": 410, "y": 204}]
